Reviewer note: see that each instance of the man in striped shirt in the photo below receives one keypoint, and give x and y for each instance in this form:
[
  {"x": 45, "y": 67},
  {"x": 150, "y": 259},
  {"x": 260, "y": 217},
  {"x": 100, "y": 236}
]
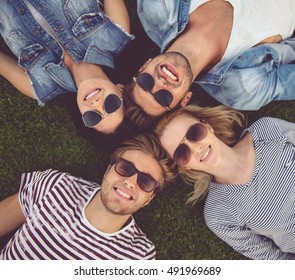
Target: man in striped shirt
[{"x": 65, "y": 217}]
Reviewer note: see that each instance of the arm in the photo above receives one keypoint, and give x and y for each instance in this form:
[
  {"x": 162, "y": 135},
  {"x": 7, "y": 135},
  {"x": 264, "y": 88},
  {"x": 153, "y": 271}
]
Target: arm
[
  {"x": 246, "y": 242},
  {"x": 254, "y": 78},
  {"x": 11, "y": 214},
  {"x": 116, "y": 10},
  {"x": 16, "y": 75}
]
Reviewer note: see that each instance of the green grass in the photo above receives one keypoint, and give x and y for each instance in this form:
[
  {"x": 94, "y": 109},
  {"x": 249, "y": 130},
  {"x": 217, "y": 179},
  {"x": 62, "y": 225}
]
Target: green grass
[{"x": 35, "y": 138}]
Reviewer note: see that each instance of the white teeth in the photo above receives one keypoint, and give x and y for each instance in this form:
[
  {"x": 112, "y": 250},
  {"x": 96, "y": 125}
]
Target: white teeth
[
  {"x": 205, "y": 155},
  {"x": 167, "y": 72},
  {"x": 92, "y": 94},
  {"x": 123, "y": 194}
]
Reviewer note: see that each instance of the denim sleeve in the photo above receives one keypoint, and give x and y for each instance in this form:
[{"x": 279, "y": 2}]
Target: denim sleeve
[
  {"x": 286, "y": 50},
  {"x": 257, "y": 77},
  {"x": 271, "y": 80}
]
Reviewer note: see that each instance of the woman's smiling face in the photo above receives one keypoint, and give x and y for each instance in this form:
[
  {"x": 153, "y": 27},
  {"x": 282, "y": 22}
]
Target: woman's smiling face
[
  {"x": 91, "y": 96},
  {"x": 203, "y": 154}
]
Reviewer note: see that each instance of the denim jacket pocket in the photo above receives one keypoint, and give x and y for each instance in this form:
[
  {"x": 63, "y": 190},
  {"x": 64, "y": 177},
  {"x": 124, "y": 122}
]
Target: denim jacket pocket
[
  {"x": 28, "y": 55},
  {"x": 87, "y": 24},
  {"x": 23, "y": 47}
]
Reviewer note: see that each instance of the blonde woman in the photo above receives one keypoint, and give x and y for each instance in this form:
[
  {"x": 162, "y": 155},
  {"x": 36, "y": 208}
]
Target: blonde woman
[{"x": 250, "y": 181}]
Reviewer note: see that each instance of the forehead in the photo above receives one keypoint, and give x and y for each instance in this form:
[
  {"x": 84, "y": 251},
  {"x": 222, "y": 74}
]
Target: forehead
[
  {"x": 111, "y": 121},
  {"x": 144, "y": 162}
]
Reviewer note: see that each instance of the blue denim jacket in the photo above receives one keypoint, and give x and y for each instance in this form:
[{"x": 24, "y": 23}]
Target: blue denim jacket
[
  {"x": 163, "y": 20},
  {"x": 81, "y": 28},
  {"x": 246, "y": 82},
  {"x": 254, "y": 78}
]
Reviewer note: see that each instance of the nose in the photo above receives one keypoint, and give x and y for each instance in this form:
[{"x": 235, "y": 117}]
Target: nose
[
  {"x": 131, "y": 182},
  {"x": 97, "y": 104},
  {"x": 195, "y": 147},
  {"x": 160, "y": 83}
]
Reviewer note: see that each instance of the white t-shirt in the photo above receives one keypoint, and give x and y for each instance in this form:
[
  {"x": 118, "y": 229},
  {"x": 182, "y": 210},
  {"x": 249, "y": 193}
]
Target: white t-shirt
[{"x": 256, "y": 20}]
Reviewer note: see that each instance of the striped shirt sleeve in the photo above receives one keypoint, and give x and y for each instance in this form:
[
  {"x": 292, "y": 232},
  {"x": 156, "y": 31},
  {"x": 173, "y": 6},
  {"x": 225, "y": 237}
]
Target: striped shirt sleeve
[
  {"x": 243, "y": 240},
  {"x": 35, "y": 185}
]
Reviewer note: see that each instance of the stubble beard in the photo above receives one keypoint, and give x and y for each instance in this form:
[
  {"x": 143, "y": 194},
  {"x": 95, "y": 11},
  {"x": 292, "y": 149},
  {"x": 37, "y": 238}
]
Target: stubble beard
[{"x": 112, "y": 204}]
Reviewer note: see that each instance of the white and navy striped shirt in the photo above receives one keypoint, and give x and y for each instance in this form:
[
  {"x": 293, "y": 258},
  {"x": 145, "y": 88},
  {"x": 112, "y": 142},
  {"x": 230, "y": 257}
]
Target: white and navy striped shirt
[
  {"x": 56, "y": 227},
  {"x": 258, "y": 219}
]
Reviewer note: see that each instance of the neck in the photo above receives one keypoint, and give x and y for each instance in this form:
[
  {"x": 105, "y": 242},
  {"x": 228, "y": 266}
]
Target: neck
[
  {"x": 83, "y": 71},
  {"x": 206, "y": 36},
  {"x": 196, "y": 51},
  {"x": 102, "y": 219},
  {"x": 238, "y": 163}
]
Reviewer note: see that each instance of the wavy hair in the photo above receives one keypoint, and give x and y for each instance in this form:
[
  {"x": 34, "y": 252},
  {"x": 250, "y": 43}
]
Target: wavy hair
[{"x": 224, "y": 121}]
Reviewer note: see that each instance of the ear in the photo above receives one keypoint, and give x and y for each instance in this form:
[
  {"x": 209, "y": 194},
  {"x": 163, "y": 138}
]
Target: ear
[
  {"x": 142, "y": 67},
  {"x": 149, "y": 200},
  {"x": 186, "y": 99},
  {"x": 121, "y": 87}
]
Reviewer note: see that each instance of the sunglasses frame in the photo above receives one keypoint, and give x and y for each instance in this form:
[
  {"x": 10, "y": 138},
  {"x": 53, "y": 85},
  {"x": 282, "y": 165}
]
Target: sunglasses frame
[
  {"x": 154, "y": 94},
  {"x": 98, "y": 113},
  {"x": 192, "y": 141},
  {"x": 120, "y": 159}
]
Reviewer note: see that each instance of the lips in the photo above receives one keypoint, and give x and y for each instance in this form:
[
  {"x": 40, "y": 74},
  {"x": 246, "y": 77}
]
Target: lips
[
  {"x": 91, "y": 94},
  {"x": 123, "y": 193},
  {"x": 206, "y": 154},
  {"x": 169, "y": 72}
]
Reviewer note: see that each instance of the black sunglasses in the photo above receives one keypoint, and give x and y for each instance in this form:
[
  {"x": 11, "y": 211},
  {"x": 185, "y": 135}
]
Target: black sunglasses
[
  {"x": 195, "y": 133},
  {"x": 163, "y": 96},
  {"x": 126, "y": 169},
  {"x": 111, "y": 104}
]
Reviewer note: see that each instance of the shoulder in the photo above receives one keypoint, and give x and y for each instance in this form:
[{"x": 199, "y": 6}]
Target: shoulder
[
  {"x": 50, "y": 178},
  {"x": 265, "y": 128},
  {"x": 140, "y": 245}
]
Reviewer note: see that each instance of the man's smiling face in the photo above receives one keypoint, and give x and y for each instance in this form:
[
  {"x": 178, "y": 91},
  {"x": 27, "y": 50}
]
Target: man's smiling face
[
  {"x": 122, "y": 195},
  {"x": 169, "y": 71}
]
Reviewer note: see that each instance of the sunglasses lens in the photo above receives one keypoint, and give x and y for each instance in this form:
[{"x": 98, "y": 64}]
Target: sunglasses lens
[
  {"x": 164, "y": 97},
  {"x": 146, "y": 182},
  {"x": 196, "y": 132},
  {"x": 145, "y": 81},
  {"x": 124, "y": 168},
  {"x": 182, "y": 154},
  {"x": 112, "y": 103},
  {"x": 91, "y": 118}
]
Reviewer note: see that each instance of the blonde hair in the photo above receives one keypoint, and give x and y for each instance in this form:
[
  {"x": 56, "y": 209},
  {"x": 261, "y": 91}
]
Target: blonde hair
[
  {"x": 150, "y": 145},
  {"x": 223, "y": 120}
]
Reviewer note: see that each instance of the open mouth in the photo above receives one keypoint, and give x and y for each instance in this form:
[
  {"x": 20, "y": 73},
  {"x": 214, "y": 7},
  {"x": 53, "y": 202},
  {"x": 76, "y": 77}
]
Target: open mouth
[
  {"x": 91, "y": 94},
  {"x": 205, "y": 156},
  {"x": 169, "y": 72},
  {"x": 123, "y": 194}
]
